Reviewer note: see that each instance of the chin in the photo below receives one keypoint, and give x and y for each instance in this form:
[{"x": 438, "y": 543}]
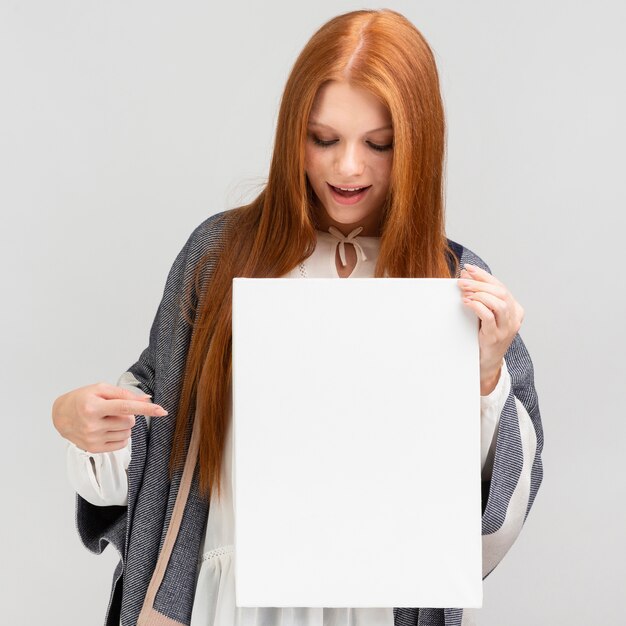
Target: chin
[{"x": 349, "y": 215}]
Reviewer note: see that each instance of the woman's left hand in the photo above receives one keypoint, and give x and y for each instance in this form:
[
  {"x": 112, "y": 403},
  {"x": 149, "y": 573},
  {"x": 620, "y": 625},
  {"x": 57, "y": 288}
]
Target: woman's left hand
[{"x": 500, "y": 319}]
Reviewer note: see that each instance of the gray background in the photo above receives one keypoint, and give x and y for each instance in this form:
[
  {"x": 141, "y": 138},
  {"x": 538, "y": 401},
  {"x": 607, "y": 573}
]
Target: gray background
[{"x": 124, "y": 124}]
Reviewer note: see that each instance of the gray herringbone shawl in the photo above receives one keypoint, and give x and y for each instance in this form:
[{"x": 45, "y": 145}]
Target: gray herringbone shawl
[{"x": 138, "y": 530}]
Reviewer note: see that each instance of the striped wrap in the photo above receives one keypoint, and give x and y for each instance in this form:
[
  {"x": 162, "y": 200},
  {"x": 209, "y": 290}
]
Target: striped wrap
[{"x": 158, "y": 534}]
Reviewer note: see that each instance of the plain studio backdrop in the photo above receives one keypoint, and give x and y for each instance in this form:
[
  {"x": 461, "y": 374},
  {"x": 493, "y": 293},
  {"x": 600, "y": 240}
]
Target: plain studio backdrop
[{"x": 124, "y": 124}]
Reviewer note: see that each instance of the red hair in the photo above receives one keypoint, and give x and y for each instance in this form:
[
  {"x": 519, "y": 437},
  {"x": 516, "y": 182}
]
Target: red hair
[{"x": 381, "y": 51}]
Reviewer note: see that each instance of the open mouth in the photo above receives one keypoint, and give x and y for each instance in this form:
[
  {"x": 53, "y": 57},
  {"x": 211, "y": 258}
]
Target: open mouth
[{"x": 348, "y": 195}]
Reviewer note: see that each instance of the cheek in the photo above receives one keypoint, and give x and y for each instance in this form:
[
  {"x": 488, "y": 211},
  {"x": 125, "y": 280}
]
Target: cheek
[
  {"x": 384, "y": 175},
  {"x": 312, "y": 164},
  {"x": 316, "y": 180}
]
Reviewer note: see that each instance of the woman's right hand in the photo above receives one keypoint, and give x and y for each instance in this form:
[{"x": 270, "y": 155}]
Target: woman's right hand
[{"x": 99, "y": 417}]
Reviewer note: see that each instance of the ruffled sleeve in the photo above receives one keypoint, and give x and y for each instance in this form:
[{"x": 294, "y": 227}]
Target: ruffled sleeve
[
  {"x": 491, "y": 407},
  {"x": 99, "y": 477},
  {"x": 517, "y": 467}
]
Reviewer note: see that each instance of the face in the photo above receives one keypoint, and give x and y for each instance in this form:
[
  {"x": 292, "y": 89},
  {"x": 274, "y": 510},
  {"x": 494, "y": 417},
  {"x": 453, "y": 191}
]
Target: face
[{"x": 349, "y": 144}]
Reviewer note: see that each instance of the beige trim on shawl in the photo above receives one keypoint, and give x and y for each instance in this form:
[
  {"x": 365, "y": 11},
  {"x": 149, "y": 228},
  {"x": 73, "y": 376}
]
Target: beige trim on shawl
[{"x": 149, "y": 616}]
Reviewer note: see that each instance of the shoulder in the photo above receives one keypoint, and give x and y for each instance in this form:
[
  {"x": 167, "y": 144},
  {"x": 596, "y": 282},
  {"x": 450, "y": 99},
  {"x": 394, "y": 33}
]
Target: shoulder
[
  {"x": 210, "y": 232},
  {"x": 465, "y": 255},
  {"x": 206, "y": 239}
]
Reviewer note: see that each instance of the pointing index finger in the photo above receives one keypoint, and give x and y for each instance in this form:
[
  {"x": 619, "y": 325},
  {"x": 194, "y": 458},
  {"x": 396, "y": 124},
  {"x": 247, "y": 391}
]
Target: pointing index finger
[{"x": 135, "y": 407}]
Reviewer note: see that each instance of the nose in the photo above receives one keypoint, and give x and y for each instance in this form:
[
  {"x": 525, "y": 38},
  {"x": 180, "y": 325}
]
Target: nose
[{"x": 350, "y": 162}]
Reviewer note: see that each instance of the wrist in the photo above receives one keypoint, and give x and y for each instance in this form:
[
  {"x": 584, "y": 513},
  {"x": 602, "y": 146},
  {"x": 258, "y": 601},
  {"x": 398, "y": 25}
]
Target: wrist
[
  {"x": 489, "y": 381},
  {"x": 57, "y": 416}
]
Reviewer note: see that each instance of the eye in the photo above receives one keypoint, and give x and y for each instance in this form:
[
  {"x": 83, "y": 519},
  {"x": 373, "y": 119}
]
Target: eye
[
  {"x": 381, "y": 148},
  {"x": 319, "y": 142},
  {"x": 325, "y": 144}
]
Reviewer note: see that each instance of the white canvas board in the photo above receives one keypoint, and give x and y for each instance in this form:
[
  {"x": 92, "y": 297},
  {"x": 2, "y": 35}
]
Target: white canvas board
[{"x": 356, "y": 443}]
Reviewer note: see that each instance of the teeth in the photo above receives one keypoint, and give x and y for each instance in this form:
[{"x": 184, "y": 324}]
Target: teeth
[{"x": 349, "y": 189}]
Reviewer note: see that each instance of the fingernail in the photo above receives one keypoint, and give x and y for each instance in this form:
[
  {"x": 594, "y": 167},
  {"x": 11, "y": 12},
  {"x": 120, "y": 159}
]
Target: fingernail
[
  {"x": 162, "y": 411},
  {"x": 469, "y": 267}
]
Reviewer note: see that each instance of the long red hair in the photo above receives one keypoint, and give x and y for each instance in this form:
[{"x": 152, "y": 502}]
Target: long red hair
[{"x": 383, "y": 52}]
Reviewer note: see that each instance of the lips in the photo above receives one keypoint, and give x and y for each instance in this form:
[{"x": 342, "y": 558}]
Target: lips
[
  {"x": 359, "y": 187},
  {"x": 348, "y": 197}
]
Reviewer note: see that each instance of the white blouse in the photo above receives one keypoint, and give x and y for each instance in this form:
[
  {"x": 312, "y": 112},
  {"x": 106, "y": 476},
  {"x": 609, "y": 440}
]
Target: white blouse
[{"x": 101, "y": 479}]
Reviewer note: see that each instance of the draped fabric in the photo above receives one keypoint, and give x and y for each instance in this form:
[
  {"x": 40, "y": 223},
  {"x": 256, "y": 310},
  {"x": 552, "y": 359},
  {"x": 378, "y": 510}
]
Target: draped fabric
[{"x": 158, "y": 534}]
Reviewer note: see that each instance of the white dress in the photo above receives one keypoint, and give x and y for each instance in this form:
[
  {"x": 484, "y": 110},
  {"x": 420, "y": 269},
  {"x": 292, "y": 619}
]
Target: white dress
[{"x": 101, "y": 479}]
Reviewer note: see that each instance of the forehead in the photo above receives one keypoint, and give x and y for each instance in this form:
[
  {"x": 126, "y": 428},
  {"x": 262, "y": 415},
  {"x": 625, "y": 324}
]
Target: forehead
[{"x": 341, "y": 104}]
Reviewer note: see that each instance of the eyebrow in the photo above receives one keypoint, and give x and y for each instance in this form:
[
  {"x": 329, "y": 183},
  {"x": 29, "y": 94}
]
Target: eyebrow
[{"x": 315, "y": 123}]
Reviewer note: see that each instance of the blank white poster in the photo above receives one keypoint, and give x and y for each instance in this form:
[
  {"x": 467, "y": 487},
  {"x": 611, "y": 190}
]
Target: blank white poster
[{"x": 356, "y": 443}]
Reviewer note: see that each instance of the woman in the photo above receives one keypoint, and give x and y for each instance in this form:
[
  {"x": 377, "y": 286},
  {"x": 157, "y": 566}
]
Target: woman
[{"x": 354, "y": 190}]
